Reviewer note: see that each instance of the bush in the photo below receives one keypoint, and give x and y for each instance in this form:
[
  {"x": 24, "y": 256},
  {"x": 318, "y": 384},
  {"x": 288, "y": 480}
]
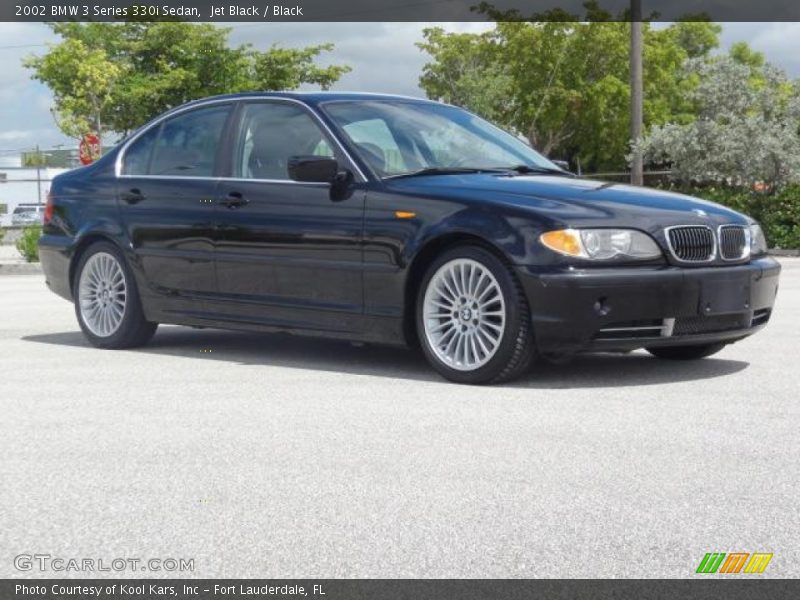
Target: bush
[
  {"x": 2, "y": 234},
  {"x": 779, "y": 215},
  {"x": 28, "y": 243},
  {"x": 778, "y": 212}
]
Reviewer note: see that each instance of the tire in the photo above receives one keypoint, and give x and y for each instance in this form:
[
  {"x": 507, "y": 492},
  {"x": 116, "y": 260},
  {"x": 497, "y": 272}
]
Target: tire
[
  {"x": 686, "y": 352},
  {"x": 107, "y": 301},
  {"x": 454, "y": 301}
]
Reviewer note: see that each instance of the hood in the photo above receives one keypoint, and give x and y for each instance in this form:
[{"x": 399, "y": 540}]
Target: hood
[{"x": 573, "y": 201}]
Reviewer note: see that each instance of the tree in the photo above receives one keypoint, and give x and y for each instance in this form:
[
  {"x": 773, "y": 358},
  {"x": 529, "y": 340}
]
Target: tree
[
  {"x": 82, "y": 80},
  {"x": 563, "y": 82},
  {"x": 467, "y": 71},
  {"x": 117, "y": 76},
  {"x": 746, "y": 130}
]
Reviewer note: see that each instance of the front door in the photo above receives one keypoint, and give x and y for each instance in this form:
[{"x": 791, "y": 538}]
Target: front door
[{"x": 288, "y": 254}]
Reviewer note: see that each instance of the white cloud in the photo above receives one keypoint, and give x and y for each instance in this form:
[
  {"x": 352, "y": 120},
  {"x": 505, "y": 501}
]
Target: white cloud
[
  {"x": 383, "y": 57},
  {"x": 14, "y": 134}
]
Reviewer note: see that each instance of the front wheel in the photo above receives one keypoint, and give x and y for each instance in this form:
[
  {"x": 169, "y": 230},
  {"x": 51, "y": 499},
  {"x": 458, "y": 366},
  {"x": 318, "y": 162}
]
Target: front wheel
[
  {"x": 686, "y": 352},
  {"x": 472, "y": 318},
  {"x": 106, "y": 300}
]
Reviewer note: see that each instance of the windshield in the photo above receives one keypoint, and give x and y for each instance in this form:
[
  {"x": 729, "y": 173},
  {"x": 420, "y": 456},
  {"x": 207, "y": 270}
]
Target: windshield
[{"x": 398, "y": 138}]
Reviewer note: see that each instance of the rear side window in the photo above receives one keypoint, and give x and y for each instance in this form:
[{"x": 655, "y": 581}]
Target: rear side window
[
  {"x": 137, "y": 156},
  {"x": 185, "y": 145}
]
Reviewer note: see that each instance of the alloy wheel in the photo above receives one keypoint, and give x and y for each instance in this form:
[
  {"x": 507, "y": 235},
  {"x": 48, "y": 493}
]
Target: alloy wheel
[
  {"x": 102, "y": 293},
  {"x": 464, "y": 314}
]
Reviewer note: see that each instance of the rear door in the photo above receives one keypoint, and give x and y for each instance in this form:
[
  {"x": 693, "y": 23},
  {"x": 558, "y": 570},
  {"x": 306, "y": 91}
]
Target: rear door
[
  {"x": 167, "y": 188},
  {"x": 288, "y": 253}
]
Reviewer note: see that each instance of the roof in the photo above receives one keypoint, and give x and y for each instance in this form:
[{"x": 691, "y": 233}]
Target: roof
[{"x": 313, "y": 97}]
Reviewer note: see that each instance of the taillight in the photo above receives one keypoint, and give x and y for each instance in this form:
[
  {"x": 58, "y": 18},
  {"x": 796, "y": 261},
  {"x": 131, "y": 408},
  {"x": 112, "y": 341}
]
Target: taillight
[{"x": 48, "y": 209}]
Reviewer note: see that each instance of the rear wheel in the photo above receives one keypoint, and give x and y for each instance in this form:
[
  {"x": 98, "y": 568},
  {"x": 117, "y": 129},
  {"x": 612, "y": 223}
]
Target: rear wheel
[
  {"x": 472, "y": 318},
  {"x": 686, "y": 352},
  {"x": 107, "y": 302}
]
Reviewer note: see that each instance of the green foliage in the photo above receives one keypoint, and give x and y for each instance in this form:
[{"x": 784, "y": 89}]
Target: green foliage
[
  {"x": 564, "y": 84},
  {"x": 34, "y": 159},
  {"x": 746, "y": 129},
  {"x": 82, "y": 79},
  {"x": 779, "y": 215},
  {"x": 2, "y": 232},
  {"x": 28, "y": 243},
  {"x": 778, "y": 212},
  {"x": 288, "y": 68},
  {"x": 117, "y": 76},
  {"x": 466, "y": 72}
]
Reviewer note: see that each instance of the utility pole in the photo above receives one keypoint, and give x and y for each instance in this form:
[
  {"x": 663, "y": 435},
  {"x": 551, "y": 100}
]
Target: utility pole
[
  {"x": 637, "y": 167},
  {"x": 39, "y": 173}
]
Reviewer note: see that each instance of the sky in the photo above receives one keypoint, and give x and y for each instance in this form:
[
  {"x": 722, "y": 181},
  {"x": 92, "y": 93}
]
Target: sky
[{"x": 383, "y": 58}]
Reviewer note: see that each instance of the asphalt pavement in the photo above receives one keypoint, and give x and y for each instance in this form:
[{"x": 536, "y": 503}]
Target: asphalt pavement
[{"x": 273, "y": 456}]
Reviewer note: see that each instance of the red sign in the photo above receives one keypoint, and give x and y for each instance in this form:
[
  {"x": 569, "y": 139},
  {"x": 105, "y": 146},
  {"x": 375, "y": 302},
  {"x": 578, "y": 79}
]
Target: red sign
[{"x": 89, "y": 149}]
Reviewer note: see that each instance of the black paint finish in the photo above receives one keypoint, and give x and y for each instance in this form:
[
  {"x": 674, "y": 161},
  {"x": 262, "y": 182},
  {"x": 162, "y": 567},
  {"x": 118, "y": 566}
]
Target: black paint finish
[{"x": 335, "y": 260}]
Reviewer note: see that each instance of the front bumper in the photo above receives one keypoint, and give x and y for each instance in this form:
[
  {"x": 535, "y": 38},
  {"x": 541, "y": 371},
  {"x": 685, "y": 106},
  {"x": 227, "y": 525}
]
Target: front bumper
[{"x": 620, "y": 309}]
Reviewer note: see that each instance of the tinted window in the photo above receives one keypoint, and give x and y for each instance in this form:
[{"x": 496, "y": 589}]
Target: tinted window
[
  {"x": 397, "y": 137},
  {"x": 270, "y": 134},
  {"x": 137, "y": 156},
  {"x": 377, "y": 145},
  {"x": 187, "y": 144}
]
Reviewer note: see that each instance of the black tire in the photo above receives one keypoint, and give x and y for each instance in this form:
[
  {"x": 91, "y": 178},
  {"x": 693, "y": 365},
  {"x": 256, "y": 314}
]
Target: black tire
[
  {"x": 686, "y": 352},
  {"x": 134, "y": 330},
  {"x": 515, "y": 352}
]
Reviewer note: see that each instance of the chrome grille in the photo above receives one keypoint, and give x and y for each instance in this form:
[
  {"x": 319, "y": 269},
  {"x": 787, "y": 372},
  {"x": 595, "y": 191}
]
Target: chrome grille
[
  {"x": 692, "y": 243},
  {"x": 733, "y": 242}
]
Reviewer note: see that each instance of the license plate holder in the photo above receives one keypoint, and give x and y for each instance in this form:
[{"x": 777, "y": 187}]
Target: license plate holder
[{"x": 720, "y": 295}]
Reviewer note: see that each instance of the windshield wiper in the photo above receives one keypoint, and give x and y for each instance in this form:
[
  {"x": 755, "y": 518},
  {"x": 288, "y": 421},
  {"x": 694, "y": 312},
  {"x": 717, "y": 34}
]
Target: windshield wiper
[
  {"x": 528, "y": 169},
  {"x": 445, "y": 171}
]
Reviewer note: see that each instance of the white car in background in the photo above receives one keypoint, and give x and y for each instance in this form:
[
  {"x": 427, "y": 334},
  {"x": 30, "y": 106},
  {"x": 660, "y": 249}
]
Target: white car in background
[{"x": 27, "y": 214}]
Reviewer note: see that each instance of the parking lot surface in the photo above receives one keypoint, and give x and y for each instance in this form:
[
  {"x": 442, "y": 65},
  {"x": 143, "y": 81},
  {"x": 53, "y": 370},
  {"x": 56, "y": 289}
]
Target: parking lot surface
[{"x": 273, "y": 456}]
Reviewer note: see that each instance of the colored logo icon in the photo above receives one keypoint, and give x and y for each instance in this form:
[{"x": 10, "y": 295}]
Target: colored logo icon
[{"x": 735, "y": 562}]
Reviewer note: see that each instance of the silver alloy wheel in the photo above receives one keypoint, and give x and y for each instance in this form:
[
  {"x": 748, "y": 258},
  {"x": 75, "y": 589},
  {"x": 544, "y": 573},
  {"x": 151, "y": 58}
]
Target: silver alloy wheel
[
  {"x": 103, "y": 294},
  {"x": 464, "y": 314}
]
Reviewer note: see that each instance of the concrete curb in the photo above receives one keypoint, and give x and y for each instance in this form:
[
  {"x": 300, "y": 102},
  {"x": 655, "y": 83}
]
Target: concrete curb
[{"x": 20, "y": 268}]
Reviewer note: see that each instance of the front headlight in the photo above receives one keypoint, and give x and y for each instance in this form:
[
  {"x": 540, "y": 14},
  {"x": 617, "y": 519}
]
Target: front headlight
[
  {"x": 758, "y": 241},
  {"x": 601, "y": 244}
]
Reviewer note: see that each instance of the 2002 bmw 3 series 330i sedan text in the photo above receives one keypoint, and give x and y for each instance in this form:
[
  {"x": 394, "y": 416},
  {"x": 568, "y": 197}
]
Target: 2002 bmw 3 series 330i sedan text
[{"x": 392, "y": 220}]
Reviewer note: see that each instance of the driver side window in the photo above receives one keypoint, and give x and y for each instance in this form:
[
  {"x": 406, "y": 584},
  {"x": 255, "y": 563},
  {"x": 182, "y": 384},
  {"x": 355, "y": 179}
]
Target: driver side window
[
  {"x": 377, "y": 145},
  {"x": 271, "y": 133}
]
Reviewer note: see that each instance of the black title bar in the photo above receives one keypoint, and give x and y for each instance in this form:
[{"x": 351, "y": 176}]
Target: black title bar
[{"x": 391, "y": 10}]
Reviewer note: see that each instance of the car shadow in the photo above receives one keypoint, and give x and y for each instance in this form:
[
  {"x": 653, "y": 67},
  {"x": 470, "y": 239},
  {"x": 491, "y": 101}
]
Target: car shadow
[{"x": 254, "y": 349}]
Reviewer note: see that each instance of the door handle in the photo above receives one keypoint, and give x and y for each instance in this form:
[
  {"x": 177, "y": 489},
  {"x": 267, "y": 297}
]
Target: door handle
[
  {"x": 133, "y": 196},
  {"x": 234, "y": 200}
]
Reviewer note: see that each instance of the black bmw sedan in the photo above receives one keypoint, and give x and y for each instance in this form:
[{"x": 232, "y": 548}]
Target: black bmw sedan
[{"x": 392, "y": 220}]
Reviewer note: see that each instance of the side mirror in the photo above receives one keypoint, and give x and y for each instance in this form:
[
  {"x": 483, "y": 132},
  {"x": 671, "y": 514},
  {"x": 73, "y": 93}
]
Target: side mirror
[
  {"x": 315, "y": 169},
  {"x": 561, "y": 164}
]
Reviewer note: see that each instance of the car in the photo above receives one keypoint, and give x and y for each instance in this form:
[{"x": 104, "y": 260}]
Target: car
[
  {"x": 26, "y": 214},
  {"x": 393, "y": 220}
]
